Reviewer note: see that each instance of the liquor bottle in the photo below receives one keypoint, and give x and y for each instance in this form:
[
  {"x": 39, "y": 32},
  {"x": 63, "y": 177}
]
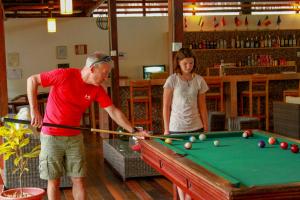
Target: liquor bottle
[
  {"x": 190, "y": 45},
  {"x": 286, "y": 42},
  {"x": 290, "y": 41},
  {"x": 247, "y": 43},
  {"x": 256, "y": 42},
  {"x": 242, "y": 43},
  {"x": 251, "y": 43},
  {"x": 266, "y": 41},
  {"x": 282, "y": 41},
  {"x": 225, "y": 44},
  {"x": 262, "y": 42},
  {"x": 269, "y": 41},
  {"x": 232, "y": 43},
  {"x": 237, "y": 42},
  {"x": 294, "y": 40},
  {"x": 278, "y": 41}
]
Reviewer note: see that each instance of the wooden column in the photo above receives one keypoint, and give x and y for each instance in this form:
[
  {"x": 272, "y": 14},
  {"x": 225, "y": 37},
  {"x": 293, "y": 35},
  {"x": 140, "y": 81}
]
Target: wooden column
[
  {"x": 113, "y": 47},
  {"x": 3, "y": 79},
  {"x": 175, "y": 12}
]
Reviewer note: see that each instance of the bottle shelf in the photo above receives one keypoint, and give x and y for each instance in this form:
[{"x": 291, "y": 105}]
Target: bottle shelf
[{"x": 246, "y": 49}]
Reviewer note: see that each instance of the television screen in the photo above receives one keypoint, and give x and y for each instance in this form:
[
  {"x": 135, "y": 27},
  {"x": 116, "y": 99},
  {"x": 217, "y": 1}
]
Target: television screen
[{"x": 149, "y": 69}]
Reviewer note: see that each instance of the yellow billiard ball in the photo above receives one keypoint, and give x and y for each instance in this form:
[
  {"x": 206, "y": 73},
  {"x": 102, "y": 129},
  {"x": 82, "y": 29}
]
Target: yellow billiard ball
[{"x": 168, "y": 140}]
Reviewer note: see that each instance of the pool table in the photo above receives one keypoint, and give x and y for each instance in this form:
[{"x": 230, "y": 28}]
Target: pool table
[{"x": 236, "y": 169}]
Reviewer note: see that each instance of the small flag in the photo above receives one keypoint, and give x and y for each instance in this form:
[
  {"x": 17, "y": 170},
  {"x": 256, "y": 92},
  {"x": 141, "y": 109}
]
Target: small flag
[
  {"x": 216, "y": 24},
  {"x": 267, "y": 21},
  {"x": 278, "y": 20},
  {"x": 237, "y": 21},
  {"x": 246, "y": 21},
  {"x": 259, "y": 23},
  {"x": 223, "y": 22},
  {"x": 185, "y": 22}
]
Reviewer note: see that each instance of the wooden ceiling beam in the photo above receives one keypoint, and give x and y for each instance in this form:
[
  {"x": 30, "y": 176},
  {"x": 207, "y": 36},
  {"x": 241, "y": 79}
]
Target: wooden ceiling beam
[{"x": 90, "y": 9}]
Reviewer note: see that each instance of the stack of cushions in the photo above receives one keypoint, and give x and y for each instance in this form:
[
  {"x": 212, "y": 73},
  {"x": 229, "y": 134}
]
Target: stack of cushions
[{"x": 294, "y": 100}]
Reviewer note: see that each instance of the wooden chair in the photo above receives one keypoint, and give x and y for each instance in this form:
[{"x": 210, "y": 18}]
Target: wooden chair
[
  {"x": 140, "y": 93},
  {"x": 258, "y": 89},
  {"x": 215, "y": 93}
]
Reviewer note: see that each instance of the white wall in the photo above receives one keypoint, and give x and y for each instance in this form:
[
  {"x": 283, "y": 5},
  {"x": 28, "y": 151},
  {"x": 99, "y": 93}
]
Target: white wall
[{"x": 144, "y": 40}]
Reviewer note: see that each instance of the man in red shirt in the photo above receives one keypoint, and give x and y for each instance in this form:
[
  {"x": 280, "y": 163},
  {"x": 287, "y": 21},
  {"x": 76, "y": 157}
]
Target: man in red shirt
[{"x": 72, "y": 92}]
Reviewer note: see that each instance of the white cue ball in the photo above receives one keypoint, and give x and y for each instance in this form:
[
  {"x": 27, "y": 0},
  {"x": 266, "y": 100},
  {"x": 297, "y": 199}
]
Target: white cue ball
[
  {"x": 192, "y": 139},
  {"x": 188, "y": 145},
  {"x": 202, "y": 136},
  {"x": 216, "y": 143}
]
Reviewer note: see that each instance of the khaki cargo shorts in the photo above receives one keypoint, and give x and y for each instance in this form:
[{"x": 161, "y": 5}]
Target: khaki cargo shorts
[{"x": 61, "y": 155}]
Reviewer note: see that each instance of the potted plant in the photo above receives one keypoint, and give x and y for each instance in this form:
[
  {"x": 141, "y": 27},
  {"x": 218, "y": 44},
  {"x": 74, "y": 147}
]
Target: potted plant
[{"x": 15, "y": 138}]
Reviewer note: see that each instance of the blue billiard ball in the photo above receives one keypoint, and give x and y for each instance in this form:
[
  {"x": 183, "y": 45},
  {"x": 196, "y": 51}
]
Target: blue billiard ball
[
  {"x": 192, "y": 138},
  {"x": 261, "y": 144}
]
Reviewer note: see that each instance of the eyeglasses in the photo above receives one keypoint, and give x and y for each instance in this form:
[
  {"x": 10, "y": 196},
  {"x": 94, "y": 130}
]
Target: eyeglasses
[{"x": 105, "y": 59}]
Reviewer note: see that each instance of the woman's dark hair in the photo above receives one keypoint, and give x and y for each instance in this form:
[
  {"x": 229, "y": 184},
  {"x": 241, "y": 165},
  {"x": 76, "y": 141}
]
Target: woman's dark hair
[{"x": 182, "y": 54}]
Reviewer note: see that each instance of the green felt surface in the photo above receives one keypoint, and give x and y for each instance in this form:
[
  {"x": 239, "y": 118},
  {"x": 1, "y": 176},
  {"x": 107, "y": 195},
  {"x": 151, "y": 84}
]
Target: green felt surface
[{"x": 241, "y": 161}]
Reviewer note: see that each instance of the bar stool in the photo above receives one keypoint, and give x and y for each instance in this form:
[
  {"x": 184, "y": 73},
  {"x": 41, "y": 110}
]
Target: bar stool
[
  {"x": 215, "y": 94},
  {"x": 140, "y": 95},
  {"x": 258, "y": 89}
]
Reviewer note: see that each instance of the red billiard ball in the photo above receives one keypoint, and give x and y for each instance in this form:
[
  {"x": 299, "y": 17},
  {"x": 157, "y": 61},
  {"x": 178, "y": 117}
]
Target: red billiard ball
[
  {"x": 249, "y": 132},
  {"x": 284, "y": 145},
  {"x": 294, "y": 148},
  {"x": 261, "y": 144},
  {"x": 272, "y": 140},
  {"x": 188, "y": 145}
]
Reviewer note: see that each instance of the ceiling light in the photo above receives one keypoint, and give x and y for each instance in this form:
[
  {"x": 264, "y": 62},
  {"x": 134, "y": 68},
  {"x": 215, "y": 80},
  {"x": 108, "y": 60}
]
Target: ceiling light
[
  {"x": 51, "y": 25},
  {"x": 66, "y": 7}
]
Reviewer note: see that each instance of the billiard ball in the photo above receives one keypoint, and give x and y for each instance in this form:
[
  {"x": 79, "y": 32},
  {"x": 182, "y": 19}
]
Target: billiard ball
[
  {"x": 294, "y": 148},
  {"x": 284, "y": 145},
  {"x": 216, "y": 143},
  {"x": 245, "y": 135},
  {"x": 202, "y": 136},
  {"x": 168, "y": 140},
  {"x": 272, "y": 140},
  {"x": 249, "y": 132},
  {"x": 261, "y": 144},
  {"x": 188, "y": 145},
  {"x": 192, "y": 138}
]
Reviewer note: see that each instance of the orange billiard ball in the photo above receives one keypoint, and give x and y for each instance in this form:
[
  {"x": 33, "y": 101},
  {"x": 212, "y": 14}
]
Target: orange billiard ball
[{"x": 272, "y": 140}]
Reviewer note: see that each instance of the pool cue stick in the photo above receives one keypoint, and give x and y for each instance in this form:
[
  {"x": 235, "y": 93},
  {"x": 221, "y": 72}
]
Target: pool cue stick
[
  {"x": 4, "y": 119},
  {"x": 130, "y": 134}
]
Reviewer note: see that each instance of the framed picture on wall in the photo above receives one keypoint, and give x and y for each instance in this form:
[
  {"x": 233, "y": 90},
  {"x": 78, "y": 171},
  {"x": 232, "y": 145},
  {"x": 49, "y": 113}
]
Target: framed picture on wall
[
  {"x": 80, "y": 49},
  {"x": 61, "y": 52},
  {"x": 13, "y": 59}
]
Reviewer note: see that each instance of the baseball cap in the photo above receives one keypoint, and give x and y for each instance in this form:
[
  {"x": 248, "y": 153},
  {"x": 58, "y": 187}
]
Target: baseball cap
[{"x": 97, "y": 58}]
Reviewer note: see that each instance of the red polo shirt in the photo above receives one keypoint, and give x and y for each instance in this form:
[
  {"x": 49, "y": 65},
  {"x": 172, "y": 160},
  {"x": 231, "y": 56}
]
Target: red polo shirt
[{"x": 68, "y": 99}]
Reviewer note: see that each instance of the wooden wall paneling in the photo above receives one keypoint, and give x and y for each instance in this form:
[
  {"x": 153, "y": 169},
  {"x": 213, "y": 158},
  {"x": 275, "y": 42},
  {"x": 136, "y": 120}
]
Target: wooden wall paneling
[
  {"x": 175, "y": 13},
  {"x": 3, "y": 78},
  {"x": 113, "y": 46}
]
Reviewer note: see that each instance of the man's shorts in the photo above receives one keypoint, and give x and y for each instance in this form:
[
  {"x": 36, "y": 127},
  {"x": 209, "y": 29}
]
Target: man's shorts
[{"x": 61, "y": 155}]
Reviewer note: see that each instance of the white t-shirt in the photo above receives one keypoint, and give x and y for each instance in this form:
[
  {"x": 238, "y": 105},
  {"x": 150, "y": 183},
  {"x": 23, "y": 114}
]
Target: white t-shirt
[{"x": 185, "y": 114}]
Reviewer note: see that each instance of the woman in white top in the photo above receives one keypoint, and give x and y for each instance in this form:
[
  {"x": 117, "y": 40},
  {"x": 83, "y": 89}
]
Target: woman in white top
[{"x": 184, "y": 104}]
